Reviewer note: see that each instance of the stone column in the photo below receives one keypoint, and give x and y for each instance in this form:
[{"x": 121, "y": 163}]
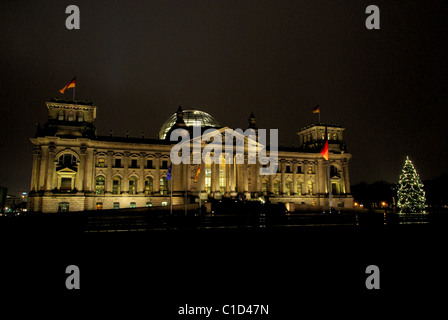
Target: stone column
[
  {"x": 227, "y": 168},
  {"x": 320, "y": 177},
  {"x": 141, "y": 181},
  {"x": 50, "y": 166},
  {"x": 35, "y": 170},
  {"x": 157, "y": 173},
  {"x": 110, "y": 158},
  {"x": 43, "y": 168},
  {"x": 305, "y": 178},
  {"x": 188, "y": 173},
  {"x": 89, "y": 173},
  {"x": 346, "y": 176},
  {"x": 294, "y": 177},
  {"x": 125, "y": 185},
  {"x": 245, "y": 168},
  {"x": 282, "y": 176},
  {"x": 81, "y": 168}
]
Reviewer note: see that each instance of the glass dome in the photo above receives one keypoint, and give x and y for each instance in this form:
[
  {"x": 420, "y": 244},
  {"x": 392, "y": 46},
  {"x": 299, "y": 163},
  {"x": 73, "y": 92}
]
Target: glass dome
[{"x": 191, "y": 118}]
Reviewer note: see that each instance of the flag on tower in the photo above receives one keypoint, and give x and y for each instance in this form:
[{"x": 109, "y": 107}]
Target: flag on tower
[
  {"x": 316, "y": 109},
  {"x": 197, "y": 174},
  {"x": 71, "y": 84}
]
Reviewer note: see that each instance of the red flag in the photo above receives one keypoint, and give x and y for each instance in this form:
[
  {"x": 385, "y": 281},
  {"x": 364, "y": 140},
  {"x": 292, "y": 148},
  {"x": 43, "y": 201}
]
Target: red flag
[
  {"x": 316, "y": 109},
  {"x": 197, "y": 173},
  {"x": 71, "y": 84},
  {"x": 324, "y": 152}
]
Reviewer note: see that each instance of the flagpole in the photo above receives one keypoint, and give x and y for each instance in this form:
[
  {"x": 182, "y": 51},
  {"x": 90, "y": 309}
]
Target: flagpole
[
  {"x": 329, "y": 180},
  {"x": 74, "y": 93},
  {"x": 186, "y": 176},
  {"x": 171, "y": 194}
]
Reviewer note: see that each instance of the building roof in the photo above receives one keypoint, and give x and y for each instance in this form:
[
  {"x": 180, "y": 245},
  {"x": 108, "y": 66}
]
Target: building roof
[{"x": 191, "y": 118}]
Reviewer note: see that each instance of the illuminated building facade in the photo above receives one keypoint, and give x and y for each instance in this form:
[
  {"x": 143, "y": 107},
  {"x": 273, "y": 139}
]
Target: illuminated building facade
[{"x": 74, "y": 169}]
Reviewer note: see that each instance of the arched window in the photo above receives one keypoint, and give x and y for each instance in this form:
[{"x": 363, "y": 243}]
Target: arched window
[
  {"x": 148, "y": 185},
  {"x": 288, "y": 187},
  {"x": 335, "y": 136},
  {"x": 276, "y": 187},
  {"x": 80, "y": 117},
  {"x": 299, "y": 185},
  {"x": 99, "y": 185},
  {"x": 163, "y": 186},
  {"x": 116, "y": 185},
  {"x": 264, "y": 186},
  {"x": 310, "y": 187},
  {"x": 334, "y": 171},
  {"x": 67, "y": 160},
  {"x": 132, "y": 185},
  {"x": 310, "y": 170}
]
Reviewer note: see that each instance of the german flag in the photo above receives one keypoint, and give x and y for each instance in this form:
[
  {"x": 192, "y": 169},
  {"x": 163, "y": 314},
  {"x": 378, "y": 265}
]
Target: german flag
[
  {"x": 197, "y": 174},
  {"x": 316, "y": 109},
  {"x": 71, "y": 84},
  {"x": 324, "y": 151}
]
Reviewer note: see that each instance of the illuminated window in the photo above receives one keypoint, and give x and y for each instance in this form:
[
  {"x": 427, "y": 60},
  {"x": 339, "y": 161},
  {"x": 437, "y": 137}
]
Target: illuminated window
[
  {"x": 299, "y": 185},
  {"x": 163, "y": 186},
  {"x": 276, "y": 187},
  {"x": 310, "y": 170},
  {"x": 148, "y": 204},
  {"x": 264, "y": 187},
  {"x": 99, "y": 185},
  {"x": 99, "y": 206},
  {"x": 132, "y": 205},
  {"x": 164, "y": 203},
  {"x": 116, "y": 185},
  {"x": 310, "y": 187},
  {"x": 335, "y": 137},
  {"x": 208, "y": 178},
  {"x": 101, "y": 163},
  {"x": 148, "y": 185},
  {"x": 288, "y": 187},
  {"x": 70, "y": 116},
  {"x": 61, "y": 115},
  {"x": 116, "y": 205},
  {"x": 132, "y": 185},
  {"x": 80, "y": 117}
]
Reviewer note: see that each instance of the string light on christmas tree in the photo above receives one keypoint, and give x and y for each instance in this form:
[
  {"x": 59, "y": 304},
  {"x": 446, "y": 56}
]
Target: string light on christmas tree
[{"x": 411, "y": 196}]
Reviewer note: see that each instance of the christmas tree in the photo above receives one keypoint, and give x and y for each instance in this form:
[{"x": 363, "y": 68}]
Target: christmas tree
[{"x": 411, "y": 196}]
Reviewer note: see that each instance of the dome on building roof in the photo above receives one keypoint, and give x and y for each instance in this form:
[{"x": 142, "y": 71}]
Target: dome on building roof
[{"x": 191, "y": 118}]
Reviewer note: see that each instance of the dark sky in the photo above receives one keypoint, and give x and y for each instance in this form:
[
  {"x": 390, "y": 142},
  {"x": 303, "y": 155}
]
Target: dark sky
[{"x": 139, "y": 60}]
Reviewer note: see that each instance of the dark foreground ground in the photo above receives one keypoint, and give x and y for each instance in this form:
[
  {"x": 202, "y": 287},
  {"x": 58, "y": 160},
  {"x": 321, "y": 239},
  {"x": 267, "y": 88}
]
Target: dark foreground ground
[{"x": 305, "y": 265}]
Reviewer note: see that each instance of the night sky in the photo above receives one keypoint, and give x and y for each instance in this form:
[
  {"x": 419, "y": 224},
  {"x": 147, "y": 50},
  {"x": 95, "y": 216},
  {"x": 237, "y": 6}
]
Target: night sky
[{"x": 139, "y": 60}]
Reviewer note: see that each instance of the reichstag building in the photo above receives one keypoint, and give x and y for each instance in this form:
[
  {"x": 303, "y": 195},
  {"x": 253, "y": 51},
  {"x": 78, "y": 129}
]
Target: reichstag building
[{"x": 74, "y": 169}]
